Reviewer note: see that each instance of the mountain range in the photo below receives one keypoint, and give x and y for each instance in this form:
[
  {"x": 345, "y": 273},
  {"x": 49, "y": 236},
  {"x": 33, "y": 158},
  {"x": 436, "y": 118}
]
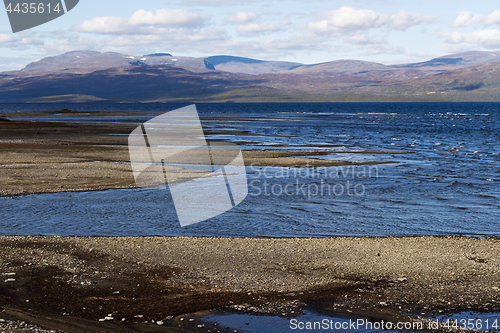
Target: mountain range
[{"x": 84, "y": 76}]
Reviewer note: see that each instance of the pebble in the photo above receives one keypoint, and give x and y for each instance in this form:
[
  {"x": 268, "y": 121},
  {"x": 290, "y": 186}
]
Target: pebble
[
  {"x": 159, "y": 322},
  {"x": 9, "y": 326}
]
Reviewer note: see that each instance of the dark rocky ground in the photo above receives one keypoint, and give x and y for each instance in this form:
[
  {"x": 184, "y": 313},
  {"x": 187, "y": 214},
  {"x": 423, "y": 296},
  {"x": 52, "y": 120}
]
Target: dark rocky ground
[{"x": 147, "y": 284}]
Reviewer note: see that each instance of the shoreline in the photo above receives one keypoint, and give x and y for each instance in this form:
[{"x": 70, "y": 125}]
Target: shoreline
[
  {"x": 70, "y": 283},
  {"x": 49, "y": 157}
]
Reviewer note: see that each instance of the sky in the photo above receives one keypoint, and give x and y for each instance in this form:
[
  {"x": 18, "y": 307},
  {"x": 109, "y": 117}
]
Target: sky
[{"x": 312, "y": 31}]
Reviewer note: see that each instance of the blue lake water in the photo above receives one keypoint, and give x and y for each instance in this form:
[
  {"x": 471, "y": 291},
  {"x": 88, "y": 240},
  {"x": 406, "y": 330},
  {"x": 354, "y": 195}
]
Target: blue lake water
[
  {"x": 446, "y": 183},
  {"x": 309, "y": 321},
  {"x": 312, "y": 321}
]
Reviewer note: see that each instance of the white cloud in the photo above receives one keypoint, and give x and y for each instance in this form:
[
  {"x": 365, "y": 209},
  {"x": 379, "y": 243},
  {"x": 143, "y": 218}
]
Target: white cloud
[
  {"x": 383, "y": 48},
  {"x": 469, "y": 18},
  {"x": 249, "y": 25},
  {"x": 347, "y": 19},
  {"x": 218, "y": 3},
  {"x": 143, "y": 22},
  {"x": 42, "y": 44},
  {"x": 14, "y": 63},
  {"x": 276, "y": 48},
  {"x": 211, "y": 41},
  {"x": 242, "y": 17},
  {"x": 104, "y": 25},
  {"x": 7, "y": 38},
  {"x": 458, "y": 41},
  {"x": 279, "y": 34},
  {"x": 403, "y": 20},
  {"x": 67, "y": 42},
  {"x": 363, "y": 40},
  {"x": 256, "y": 28},
  {"x": 373, "y": 46},
  {"x": 168, "y": 18},
  {"x": 19, "y": 41},
  {"x": 194, "y": 40}
]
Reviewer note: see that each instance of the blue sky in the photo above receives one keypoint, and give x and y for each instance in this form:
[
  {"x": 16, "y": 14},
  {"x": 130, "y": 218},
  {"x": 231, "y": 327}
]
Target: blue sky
[{"x": 312, "y": 31}]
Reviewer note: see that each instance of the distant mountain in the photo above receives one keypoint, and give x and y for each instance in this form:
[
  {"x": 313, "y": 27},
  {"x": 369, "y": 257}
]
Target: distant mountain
[
  {"x": 158, "y": 55},
  {"x": 80, "y": 61},
  {"x": 129, "y": 83},
  {"x": 265, "y": 67},
  {"x": 223, "y": 59},
  {"x": 339, "y": 66},
  {"x": 89, "y": 61},
  {"x": 93, "y": 76},
  {"x": 454, "y": 61},
  {"x": 162, "y": 59},
  {"x": 250, "y": 66}
]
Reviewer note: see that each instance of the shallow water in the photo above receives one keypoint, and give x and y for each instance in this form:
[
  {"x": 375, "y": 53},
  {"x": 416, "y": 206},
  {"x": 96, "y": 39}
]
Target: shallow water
[
  {"x": 310, "y": 321},
  {"x": 447, "y": 182},
  {"x": 313, "y": 205}
]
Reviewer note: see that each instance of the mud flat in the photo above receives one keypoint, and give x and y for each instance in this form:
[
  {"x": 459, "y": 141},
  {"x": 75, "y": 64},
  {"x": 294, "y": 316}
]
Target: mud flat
[{"x": 127, "y": 284}]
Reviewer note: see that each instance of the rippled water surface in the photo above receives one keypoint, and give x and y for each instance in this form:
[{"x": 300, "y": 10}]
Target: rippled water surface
[{"x": 446, "y": 181}]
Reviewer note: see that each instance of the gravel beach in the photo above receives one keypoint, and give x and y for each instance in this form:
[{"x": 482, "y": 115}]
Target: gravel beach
[{"x": 123, "y": 282}]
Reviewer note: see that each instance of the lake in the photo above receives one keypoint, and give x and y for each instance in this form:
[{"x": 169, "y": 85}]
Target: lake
[{"x": 441, "y": 175}]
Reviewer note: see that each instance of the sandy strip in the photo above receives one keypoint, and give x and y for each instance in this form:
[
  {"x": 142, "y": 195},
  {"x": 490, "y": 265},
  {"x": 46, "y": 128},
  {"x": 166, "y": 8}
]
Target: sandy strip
[{"x": 46, "y": 157}]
